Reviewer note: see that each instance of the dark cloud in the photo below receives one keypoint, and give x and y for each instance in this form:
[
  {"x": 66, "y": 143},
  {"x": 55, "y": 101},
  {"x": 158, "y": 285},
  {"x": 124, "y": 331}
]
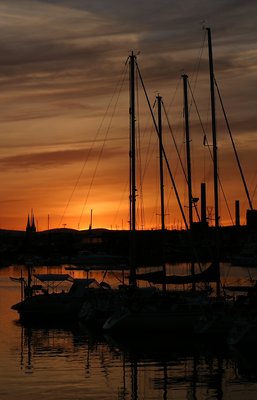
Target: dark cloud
[
  {"x": 46, "y": 62},
  {"x": 157, "y": 29},
  {"x": 171, "y": 22}
]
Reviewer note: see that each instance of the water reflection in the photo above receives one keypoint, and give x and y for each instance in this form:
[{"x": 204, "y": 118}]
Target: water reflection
[
  {"x": 76, "y": 363},
  {"x": 180, "y": 366},
  {"x": 141, "y": 367}
]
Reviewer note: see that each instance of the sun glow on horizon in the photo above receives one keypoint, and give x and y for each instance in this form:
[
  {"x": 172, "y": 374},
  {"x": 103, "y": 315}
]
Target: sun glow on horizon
[{"x": 64, "y": 123}]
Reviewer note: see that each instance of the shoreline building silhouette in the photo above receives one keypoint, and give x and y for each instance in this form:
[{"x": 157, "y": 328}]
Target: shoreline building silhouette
[{"x": 31, "y": 226}]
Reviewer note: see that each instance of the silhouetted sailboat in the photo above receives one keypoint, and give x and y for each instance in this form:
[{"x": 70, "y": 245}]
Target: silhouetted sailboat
[
  {"x": 225, "y": 320},
  {"x": 47, "y": 301},
  {"x": 173, "y": 311}
]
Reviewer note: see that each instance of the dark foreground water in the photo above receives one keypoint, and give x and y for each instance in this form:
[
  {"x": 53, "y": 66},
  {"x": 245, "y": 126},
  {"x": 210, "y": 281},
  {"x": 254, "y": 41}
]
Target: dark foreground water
[{"x": 54, "y": 363}]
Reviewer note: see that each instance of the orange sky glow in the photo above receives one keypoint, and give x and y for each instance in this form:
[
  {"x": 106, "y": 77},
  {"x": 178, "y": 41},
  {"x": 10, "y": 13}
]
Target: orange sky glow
[{"x": 64, "y": 121}]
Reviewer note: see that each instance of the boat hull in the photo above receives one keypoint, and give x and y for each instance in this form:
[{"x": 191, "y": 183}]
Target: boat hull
[{"x": 49, "y": 307}]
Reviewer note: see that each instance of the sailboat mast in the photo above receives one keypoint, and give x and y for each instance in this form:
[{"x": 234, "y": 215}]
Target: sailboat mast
[
  {"x": 159, "y": 103},
  {"x": 215, "y": 157},
  {"x": 132, "y": 59},
  {"x": 132, "y": 154},
  {"x": 189, "y": 175},
  {"x": 214, "y": 135}
]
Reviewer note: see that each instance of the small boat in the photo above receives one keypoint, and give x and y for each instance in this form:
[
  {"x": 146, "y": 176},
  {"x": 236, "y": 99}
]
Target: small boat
[{"x": 48, "y": 302}]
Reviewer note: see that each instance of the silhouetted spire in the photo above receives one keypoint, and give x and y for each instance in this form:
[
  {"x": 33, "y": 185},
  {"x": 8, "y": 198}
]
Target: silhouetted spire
[
  {"x": 31, "y": 227},
  {"x": 28, "y": 225}
]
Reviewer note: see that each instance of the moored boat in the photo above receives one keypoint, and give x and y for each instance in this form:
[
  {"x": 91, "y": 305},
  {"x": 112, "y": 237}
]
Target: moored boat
[
  {"x": 48, "y": 302},
  {"x": 173, "y": 312}
]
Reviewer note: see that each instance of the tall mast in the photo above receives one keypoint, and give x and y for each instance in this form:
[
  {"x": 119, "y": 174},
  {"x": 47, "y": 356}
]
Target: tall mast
[
  {"x": 132, "y": 154},
  {"x": 159, "y": 103},
  {"x": 214, "y": 136},
  {"x": 132, "y": 60},
  {"x": 189, "y": 175},
  {"x": 215, "y": 157}
]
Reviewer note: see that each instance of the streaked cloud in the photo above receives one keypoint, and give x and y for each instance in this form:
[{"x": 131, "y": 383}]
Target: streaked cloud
[
  {"x": 61, "y": 60},
  {"x": 57, "y": 158}
]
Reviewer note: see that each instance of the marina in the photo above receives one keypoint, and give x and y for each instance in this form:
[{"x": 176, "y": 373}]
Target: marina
[
  {"x": 81, "y": 363},
  {"x": 111, "y": 304},
  {"x": 124, "y": 274}
]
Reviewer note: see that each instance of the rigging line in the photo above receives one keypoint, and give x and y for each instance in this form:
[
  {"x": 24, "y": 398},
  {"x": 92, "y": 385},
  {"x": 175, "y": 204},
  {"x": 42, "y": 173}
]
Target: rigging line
[
  {"x": 149, "y": 157},
  {"x": 199, "y": 60},
  {"x": 209, "y": 148},
  {"x": 205, "y": 140},
  {"x": 175, "y": 93},
  {"x": 170, "y": 129},
  {"x": 73, "y": 191},
  {"x": 92, "y": 146},
  {"x": 149, "y": 154},
  {"x": 180, "y": 161},
  {"x": 154, "y": 212},
  {"x": 118, "y": 88},
  {"x": 154, "y": 218},
  {"x": 194, "y": 205},
  {"x": 124, "y": 191},
  {"x": 163, "y": 151},
  {"x": 169, "y": 125},
  {"x": 234, "y": 147},
  {"x": 198, "y": 113},
  {"x": 226, "y": 201},
  {"x": 194, "y": 87},
  {"x": 116, "y": 276},
  {"x": 147, "y": 162},
  {"x": 174, "y": 141}
]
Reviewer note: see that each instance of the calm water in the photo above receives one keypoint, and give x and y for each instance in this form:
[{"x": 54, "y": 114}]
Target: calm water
[{"x": 65, "y": 364}]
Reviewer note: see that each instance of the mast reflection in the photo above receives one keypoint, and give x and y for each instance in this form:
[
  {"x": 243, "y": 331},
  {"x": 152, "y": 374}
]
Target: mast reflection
[{"x": 137, "y": 367}]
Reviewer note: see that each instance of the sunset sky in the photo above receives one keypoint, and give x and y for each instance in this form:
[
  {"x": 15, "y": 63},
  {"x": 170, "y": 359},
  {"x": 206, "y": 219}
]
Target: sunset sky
[{"x": 64, "y": 123}]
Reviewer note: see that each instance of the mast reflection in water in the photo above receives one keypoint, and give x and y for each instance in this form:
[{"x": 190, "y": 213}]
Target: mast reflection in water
[{"x": 73, "y": 363}]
